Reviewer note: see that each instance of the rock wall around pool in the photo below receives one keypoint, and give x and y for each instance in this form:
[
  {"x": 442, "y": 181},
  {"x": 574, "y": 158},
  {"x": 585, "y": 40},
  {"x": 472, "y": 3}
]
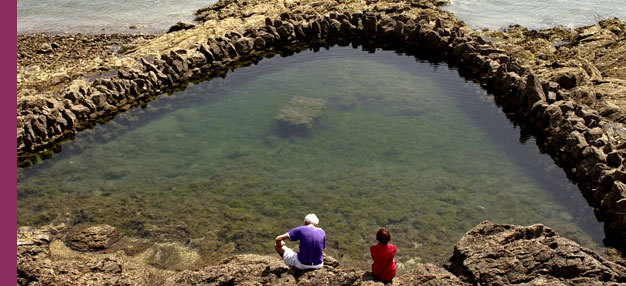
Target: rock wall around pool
[
  {"x": 488, "y": 254},
  {"x": 591, "y": 149}
]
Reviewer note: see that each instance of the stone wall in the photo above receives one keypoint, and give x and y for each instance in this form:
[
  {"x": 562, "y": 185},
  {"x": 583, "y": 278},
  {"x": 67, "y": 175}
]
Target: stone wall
[{"x": 577, "y": 137}]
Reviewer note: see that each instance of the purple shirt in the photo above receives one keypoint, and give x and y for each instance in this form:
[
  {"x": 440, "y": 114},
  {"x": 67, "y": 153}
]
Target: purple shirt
[{"x": 312, "y": 243}]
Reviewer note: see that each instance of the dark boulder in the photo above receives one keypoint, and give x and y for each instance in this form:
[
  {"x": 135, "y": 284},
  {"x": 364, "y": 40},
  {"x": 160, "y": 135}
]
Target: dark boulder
[
  {"x": 39, "y": 126},
  {"x": 370, "y": 25},
  {"x": 100, "y": 101},
  {"x": 570, "y": 78},
  {"x": 183, "y": 25},
  {"x": 195, "y": 59},
  {"x": 259, "y": 43},
  {"x": 594, "y": 133},
  {"x": 533, "y": 91},
  {"x": 81, "y": 111},
  {"x": 244, "y": 45},
  {"x": 206, "y": 51},
  {"x": 615, "y": 158}
]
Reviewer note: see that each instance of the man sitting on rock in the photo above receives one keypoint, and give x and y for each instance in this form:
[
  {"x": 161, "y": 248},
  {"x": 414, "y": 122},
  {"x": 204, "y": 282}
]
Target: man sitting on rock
[{"x": 312, "y": 243}]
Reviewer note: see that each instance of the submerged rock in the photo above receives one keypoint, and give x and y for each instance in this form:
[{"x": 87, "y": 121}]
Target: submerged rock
[{"x": 300, "y": 112}]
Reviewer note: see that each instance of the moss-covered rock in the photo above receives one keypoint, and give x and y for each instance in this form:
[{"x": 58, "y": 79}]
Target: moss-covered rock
[{"x": 300, "y": 113}]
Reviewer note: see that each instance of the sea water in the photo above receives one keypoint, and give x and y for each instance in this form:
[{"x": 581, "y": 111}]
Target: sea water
[
  {"x": 404, "y": 144},
  {"x": 150, "y": 16},
  {"x": 96, "y": 16},
  {"x": 535, "y": 14}
]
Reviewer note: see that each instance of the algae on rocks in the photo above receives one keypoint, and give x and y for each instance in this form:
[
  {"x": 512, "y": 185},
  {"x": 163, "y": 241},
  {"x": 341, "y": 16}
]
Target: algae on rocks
[{"x": 300, "y": 113}]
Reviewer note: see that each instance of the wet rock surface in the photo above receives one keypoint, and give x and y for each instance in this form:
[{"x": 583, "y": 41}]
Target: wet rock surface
[{"x": 489, "y": 254}]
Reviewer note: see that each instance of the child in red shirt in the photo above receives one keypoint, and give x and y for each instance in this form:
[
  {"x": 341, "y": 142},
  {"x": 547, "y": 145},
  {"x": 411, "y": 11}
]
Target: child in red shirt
[{"x": 384, "y": 266}]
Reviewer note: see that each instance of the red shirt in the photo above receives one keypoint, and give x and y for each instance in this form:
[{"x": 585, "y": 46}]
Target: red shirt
[{"x": 384, "y": 266}]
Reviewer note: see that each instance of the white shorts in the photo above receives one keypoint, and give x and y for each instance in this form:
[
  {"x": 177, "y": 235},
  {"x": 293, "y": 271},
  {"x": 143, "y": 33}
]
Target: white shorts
[{"x": 291, "y": 259}]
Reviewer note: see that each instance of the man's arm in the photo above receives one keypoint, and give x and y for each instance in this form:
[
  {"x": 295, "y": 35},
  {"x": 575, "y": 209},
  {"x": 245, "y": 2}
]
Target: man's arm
[
  {"x": 279, "y": 243},
  {"x": 282, "y": 237}
]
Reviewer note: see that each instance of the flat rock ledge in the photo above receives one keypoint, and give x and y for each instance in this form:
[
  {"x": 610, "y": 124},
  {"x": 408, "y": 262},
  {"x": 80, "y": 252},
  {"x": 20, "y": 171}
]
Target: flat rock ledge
[
  {"x": 92, "y": 238},
  {"x": 549, "y": 93},
  {"x": 489, "y": 254}
]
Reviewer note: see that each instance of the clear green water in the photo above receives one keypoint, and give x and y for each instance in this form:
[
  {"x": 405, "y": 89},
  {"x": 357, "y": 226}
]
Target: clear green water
[{"x": 403, "y": 144}]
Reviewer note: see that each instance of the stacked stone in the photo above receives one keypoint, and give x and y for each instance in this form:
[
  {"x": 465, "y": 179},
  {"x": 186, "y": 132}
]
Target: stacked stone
[{"x": 573, "y": 133}]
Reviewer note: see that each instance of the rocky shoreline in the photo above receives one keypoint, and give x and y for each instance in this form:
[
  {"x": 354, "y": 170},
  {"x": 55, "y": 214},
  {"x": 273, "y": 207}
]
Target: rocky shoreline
[
  {"x": 489, "y": 254},
  {"x": 567, "y": 86}
]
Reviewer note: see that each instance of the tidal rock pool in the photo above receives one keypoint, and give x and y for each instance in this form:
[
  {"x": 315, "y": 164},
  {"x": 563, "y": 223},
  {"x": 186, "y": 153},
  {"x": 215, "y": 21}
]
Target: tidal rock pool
[{"x": 396, "y": 142}]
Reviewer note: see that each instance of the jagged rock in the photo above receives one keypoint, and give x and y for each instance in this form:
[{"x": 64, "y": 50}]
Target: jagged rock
[
  {"x": 533, "y": 90},
  {"x": 32, "y": 254},
  {"x": 594, "y": 133},
  {"x": 429, "y": 275},
  {"x": 570, "y": 78},
  {"x": 35, "y": 266},
  {"x": 253, "y": 269},
  {"x": 300, "y": 112},
  {"x": 575, "y": 143},
  {"x": 45, "y": 48},
  {"x": 615, "y": 158},
  {"x": 244, "y": 46},
  {"x": 195, "y": 59},
  {"x": 100, "y": 101},
  {"x": 283, "y": 32},
  {"x": 489, "y": 254},
  {"x": 259, "y": 43},
  {"x": 230, "y": 49},
  {"x": 80, "y": 111},
  {"x": 93, "y": 238},
  {"x": 615, "y": 204},
  {"x": 38, "y": 125},
  {"x": 369, "y": 24},
  {"x": 500, "y": 254},
  {"x": 595, "y": 153},
  {"x": 236, "y": 270}
]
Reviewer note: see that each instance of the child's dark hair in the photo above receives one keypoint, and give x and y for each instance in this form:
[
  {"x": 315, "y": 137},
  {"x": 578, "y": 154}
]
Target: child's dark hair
[{"x": 383, "y": 236}]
